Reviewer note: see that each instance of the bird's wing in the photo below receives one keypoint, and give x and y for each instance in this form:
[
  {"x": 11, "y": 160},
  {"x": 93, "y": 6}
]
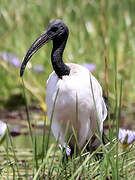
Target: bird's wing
[{"x": 100, "y": 109}]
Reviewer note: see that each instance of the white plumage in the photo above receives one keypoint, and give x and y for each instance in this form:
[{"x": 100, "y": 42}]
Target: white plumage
[{"x": 77, "y": 83}]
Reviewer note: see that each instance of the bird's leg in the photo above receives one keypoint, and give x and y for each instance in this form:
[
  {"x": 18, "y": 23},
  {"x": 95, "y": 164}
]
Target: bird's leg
[
  {"x": 105, "y": 140},
  {"x": 94, "y": 144}
]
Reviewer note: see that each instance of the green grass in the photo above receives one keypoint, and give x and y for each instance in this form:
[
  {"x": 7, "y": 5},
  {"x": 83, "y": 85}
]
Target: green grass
[{"x": 101, "y": 32}]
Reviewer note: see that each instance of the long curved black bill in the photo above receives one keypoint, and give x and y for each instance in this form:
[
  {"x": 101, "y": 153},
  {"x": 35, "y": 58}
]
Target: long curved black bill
[{"x": 42, "y": 40}]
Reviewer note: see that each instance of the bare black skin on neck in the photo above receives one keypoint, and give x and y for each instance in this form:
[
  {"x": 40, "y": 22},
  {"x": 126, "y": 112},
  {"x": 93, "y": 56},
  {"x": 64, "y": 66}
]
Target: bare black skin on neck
[{"x": 60, "y": 68}]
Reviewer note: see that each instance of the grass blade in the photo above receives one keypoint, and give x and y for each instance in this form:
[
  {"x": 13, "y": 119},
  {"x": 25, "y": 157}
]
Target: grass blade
[
  {"x": 27, "y": 111},
  {"x": 44, "y": 162},
  {"x": 49, "y": 132}
]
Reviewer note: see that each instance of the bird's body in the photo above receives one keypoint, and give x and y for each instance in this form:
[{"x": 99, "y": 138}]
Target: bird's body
[
  {"x": 74, "y": 114},
  {"x": 75, "y": 106}
]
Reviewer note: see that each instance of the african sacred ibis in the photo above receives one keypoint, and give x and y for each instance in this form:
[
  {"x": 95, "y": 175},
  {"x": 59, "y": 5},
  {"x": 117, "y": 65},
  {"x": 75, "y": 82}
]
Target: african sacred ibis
[{"x": 73, "y": 82}]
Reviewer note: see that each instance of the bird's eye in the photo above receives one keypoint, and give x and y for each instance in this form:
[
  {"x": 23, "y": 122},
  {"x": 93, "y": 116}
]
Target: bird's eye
[{"x": 54, "y": 29}]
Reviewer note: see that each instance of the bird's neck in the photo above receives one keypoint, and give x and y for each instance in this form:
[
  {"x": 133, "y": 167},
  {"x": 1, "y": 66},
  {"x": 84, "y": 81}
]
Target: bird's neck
[{"x": 60, "y": 68}]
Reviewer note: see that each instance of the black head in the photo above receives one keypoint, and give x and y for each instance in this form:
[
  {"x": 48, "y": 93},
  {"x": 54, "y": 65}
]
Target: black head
[{"x": 55, "y": 30}]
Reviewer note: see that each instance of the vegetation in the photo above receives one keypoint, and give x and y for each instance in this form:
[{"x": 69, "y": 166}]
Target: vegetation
[{"x": 101, "y": 33}]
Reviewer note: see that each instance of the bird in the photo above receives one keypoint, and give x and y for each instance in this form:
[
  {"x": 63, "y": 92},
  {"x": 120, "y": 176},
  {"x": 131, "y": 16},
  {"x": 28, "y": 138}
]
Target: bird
[{"x": 80, "y": 109}]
